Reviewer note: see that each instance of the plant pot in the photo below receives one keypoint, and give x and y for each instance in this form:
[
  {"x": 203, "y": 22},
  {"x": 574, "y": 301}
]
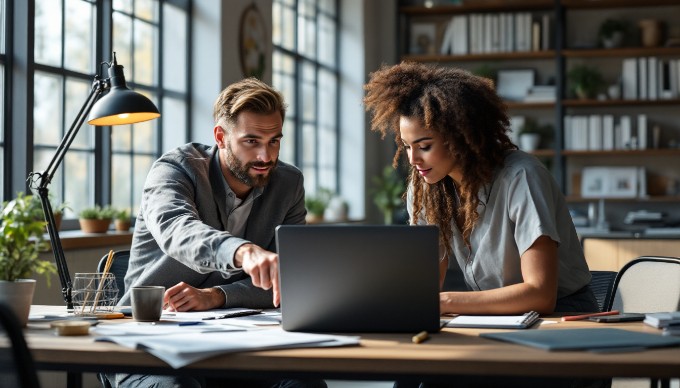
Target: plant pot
[
  {"x": 18, "y": 295},
  {"x": 616, "y": 40},
  {"x": 528, "y": 142},
  {"x": 122, "y": 225},
  {"x": 313, "y": 218},
  {"x": 94, "y": 225}
]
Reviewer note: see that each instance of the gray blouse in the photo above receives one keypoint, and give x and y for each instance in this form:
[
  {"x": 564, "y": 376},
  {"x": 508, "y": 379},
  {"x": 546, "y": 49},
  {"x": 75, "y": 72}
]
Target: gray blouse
[{"x": 522, "y": 203}]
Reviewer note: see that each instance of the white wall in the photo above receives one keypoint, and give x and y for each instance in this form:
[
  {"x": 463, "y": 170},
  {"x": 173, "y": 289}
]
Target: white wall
[{"x": 215, "y": 60}]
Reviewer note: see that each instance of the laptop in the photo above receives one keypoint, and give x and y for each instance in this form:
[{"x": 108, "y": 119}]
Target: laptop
[{"x": 359, "y": 278}]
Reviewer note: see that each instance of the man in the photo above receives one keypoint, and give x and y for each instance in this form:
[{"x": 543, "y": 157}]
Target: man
[{"x": 208, "y": 215}]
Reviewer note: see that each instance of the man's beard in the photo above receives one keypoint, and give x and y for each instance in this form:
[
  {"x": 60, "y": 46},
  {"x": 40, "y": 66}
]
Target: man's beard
[{"x": 241, "y": 171}]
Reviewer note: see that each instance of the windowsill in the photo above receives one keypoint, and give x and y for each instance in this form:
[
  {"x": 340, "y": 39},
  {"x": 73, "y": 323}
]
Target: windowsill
[{"x": 76, "y": 239}]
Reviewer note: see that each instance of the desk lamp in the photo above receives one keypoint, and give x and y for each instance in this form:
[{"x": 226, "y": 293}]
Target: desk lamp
[{"x": 119, "y": 106}]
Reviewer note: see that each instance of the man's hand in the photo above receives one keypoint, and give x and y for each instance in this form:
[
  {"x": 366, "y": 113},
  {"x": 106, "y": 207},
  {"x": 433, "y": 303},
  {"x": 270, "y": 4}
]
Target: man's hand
[
  {"x": 261, "y": 265},
  {"x": 183, "y": 297}
]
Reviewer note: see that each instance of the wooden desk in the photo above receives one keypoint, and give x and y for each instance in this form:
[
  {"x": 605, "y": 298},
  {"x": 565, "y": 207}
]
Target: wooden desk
[{"x": 452, "y": 352}]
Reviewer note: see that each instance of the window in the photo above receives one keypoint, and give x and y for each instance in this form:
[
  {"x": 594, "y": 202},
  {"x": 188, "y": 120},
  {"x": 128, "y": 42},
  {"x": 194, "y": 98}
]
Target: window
[
  {"x": 107, "y": 165},
  {"x": 3, "y": 91},
  {"x": 305, "y": 70},
  {"x": 64, "y": 55}
]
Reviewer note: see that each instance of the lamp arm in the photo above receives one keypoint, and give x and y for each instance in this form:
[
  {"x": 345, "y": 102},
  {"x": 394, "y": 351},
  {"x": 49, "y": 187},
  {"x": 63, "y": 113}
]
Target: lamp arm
[
  {"x": 98, "y": 87},
  {"x": 41, "y": 180}
]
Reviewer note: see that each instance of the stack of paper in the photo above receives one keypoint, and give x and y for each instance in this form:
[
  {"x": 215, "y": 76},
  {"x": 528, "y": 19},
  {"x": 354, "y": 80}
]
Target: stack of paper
[
  {"x": 661, "y": 320},
  {"x": 180, "y": 345}
]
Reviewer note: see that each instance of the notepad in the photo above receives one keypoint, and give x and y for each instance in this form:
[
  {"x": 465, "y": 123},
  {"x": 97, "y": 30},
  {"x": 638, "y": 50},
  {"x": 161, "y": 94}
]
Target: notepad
[
  {"x": 585, "y": 339},
  {"x": 495, "y": 321}
]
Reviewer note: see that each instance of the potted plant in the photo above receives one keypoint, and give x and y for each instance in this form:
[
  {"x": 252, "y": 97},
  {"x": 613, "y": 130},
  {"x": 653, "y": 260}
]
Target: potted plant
[
  {"x": 316, "y": 205},
  {"x": 585, "y": 81},
  {"x": 531, "y": 136},
  {"x": 122, "y": 220},
  {"x": 21, "y": 241},
  {"x": 57, "y": 211},
  {"x": 612, "y": 32},
  {"x": 95, "y": 219},
  {"x": 387, "y": 192}
]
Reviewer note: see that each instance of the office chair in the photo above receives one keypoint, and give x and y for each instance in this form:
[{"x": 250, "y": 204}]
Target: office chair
[
  {"x": 16, "y": 363},
  {"x": 648, "y": 284},
  {"x": 602, "y": 285},
  {"x": 118, "y": 268}
]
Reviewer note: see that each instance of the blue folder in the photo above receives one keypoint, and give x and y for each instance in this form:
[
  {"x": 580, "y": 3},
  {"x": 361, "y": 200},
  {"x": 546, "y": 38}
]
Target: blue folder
[{"x": 585, "y": 339}]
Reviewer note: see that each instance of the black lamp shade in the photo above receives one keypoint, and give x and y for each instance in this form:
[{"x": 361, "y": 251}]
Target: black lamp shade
[{"x": 122, "y": 106}]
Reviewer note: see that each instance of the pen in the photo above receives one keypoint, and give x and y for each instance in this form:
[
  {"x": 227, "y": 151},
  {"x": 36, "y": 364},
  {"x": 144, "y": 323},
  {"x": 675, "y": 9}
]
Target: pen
[
  {"x": 420, "y": 337},
  {"x": 586, "y": 316},
  {"x": 234, "y": 314}
]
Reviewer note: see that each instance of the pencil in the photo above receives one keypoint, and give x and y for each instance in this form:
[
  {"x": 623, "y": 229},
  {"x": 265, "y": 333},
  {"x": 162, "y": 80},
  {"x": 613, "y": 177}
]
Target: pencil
[
  {"x": 586, "y": 316},
  {"x": 420, "y": 337}
]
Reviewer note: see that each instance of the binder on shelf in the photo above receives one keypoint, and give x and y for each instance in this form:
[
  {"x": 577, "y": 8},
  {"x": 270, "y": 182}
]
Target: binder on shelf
[
  {"x": 629, "y": 79},
  {"x": 495, "y": 321},
  {"x": 642, "y": 131}
]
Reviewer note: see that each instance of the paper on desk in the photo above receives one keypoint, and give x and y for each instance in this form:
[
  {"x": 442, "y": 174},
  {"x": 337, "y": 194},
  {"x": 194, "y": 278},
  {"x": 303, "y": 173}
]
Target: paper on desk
[
  {"x": 266, "y": 318},
  {"x": 159, "y": 328},
  {"x": 181, "y": 349}
]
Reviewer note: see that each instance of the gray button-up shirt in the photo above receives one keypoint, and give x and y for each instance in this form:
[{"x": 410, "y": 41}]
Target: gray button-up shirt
[{"x": 181, "y": 230}]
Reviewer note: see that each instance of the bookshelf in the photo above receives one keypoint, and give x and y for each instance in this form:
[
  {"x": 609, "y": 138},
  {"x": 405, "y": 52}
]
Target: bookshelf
[{"x": 571, "y": 40}]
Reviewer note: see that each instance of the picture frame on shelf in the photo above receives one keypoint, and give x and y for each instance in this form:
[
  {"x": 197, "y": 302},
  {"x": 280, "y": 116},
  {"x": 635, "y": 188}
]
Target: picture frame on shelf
[
  {"x": 610, "y": 182},
  {"x": 514, "y": 84},
  {"x": 423, "y": 38}
]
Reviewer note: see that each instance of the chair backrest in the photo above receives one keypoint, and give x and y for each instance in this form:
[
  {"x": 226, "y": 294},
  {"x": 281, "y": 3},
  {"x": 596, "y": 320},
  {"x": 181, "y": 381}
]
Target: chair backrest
[
  {"x": 16, "y": 363},
  {"x": 647, "y": 284},
  {"x": 119, "y": 268},
  {"x": 602, "y": 285}
]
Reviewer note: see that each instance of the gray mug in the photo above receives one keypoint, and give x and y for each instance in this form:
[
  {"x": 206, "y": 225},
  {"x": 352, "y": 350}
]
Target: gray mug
[{"x": 147, "y": 303}]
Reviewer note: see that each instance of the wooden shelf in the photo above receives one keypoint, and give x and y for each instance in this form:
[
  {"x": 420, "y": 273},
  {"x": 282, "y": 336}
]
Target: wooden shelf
[
  {"x": 655, "y": 198},
  {"x": 529, "y": 105},
  {"x": 596, "y": 103},
  {"x": 621, "y": 52},
  {"x": 600, "y": 4},
  {"x": 640, "y": 153},
  {"x": 480, "y": 6},
  {"x": 549, "y": 54},
  {"x": 543, "y": 153},
  {"x": 558, "y": 61}
]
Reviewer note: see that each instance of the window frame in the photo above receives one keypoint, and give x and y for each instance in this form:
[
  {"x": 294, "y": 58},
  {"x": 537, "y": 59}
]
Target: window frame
[
  {"x": 17, "y": 164},
  {"x": 301, "y": 60}
]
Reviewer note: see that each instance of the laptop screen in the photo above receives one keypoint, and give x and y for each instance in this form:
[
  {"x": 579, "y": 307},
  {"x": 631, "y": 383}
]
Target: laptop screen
[{"x": 359, "y": 278}]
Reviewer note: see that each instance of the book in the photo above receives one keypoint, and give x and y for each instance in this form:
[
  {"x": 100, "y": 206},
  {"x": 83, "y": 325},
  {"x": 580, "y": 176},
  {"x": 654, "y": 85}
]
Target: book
[
  {"x": 661, "y": 320},
  {"x": 585, "y": 339},
  {"x": 495, "y": 321}
]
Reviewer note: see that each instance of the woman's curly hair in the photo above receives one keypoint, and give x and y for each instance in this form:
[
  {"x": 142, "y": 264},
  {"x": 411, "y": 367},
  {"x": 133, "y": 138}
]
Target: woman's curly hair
[{"x": 466, "y": 112}]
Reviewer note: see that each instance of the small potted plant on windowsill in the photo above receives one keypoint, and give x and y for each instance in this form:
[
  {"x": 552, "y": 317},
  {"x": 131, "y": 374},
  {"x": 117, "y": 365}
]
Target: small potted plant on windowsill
[
  {"x": 316, "y": 205},
  {"x": 21, "y": 241},
  {"x": 95, "y": 219},
  {"x": 57, "y": 211},
  {"x": 122, "y": 221}
]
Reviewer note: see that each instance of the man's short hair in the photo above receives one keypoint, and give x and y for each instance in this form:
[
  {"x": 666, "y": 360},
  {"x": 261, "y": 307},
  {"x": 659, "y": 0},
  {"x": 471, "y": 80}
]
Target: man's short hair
[{"x": 251, "y": 95}]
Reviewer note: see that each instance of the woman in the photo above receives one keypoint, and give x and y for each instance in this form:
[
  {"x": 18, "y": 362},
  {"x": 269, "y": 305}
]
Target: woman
[{"x": 502, "y": 218}]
